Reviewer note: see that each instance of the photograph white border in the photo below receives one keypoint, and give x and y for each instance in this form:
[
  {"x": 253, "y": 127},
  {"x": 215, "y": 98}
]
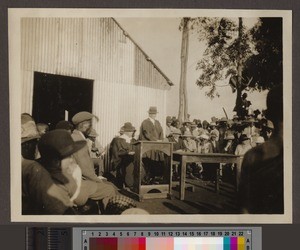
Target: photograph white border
[{"x": 14, "y": 36}]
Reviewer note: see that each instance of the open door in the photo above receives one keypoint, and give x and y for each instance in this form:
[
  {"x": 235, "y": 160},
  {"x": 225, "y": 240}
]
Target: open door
[{"x": 57, "y": 96}]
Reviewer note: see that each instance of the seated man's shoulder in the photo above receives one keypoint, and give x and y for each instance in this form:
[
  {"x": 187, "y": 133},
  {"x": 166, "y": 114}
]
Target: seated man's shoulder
[
  {"x": 262, "y": 153},
  {"x": 30, "y": 166}
]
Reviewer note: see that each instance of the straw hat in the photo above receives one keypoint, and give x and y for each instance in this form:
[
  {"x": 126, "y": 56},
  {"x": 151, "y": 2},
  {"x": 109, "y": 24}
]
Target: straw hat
[
  {"x": 204, "y": 136},
  {"x": 28, "y": 128},
  {"x": 229, "y": 137},
  {"x": 260, "y": 140},
  {"x": 187, "y": 134}
]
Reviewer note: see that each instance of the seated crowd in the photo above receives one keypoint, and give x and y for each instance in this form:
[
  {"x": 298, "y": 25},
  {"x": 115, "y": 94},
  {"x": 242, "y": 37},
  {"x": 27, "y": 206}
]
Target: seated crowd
[
  {"x": 63, "y": 173},
  {"x": 58, "y": 171}
]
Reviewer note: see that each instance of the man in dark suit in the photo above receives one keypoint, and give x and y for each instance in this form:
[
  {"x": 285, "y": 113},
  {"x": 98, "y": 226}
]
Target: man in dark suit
[{"x": 151, "y": 130}]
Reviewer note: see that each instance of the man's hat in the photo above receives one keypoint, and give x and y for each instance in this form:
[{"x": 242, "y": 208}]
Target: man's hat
[
  {"x": 235, "y": 117},
  {"x": 128, "y": 127},
  {"x": 152, "y": 110},
  {"x": 244, "y": 137},
  {"x": 250, "y": 119},
  {"x": 187, "y": 134},
  {"x": 213, "y": 134},
  {"x": 169, "y": 119},
  {"x": 260, "y": 140},
  {"x": 64, "y": 125},
  {"x": 229, "y": 136},
  {"x": 28, "y": 128},
  {"x": 212, "y": 124},
  {"x": 270, "y": 124},
  {"x": 223, "y": 119},
  {"x": 83, "y": 116},
  {"x": 204, "y": 136},
  {"x": 193, "y": 124},
  {"x": 214, "y": 119},
  {"x": 176, "y": 131},
  {"x": 58, "y": 143}
]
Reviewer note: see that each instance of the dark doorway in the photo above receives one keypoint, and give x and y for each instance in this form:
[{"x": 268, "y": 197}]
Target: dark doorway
[{"x": 55, "y": 94}]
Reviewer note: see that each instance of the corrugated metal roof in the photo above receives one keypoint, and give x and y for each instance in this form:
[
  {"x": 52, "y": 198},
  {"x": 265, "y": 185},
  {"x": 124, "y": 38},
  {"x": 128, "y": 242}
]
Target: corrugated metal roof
[{"x": 145, "y": 54}]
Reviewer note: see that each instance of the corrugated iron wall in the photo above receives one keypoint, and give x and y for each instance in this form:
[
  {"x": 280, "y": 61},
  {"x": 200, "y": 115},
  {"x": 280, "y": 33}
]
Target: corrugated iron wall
[{"x": 126, "y": 83}]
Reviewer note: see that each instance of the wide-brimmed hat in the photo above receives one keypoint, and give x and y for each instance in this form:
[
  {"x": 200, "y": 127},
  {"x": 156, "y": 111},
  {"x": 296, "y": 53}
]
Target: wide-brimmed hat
[
  {"x": 250, "y": 119},
  {"x": 212, "y": 124},
  {"x": 152, "y": 110},
  {"x": 214, "y": 119},
  {"x": 213, "y": 134},
  {"x": 176, "y": 131},
  {"x": 229, "y": 136},
  {"x": 193, "y": 124},
  {"x": 260, "y": 140},
  {"x": 28, "y": 128},
  {"x": 223, "y": 119},
  {"x": 187, "y": 134},
  {"x": 235, "y": 117},
  {"x": 58, "y": 143},
  {"x": 83, "y": 116},
  {"x": 244, "y": 137},
  {"x": 270, "y": 124},
  {"x": 204, "y": 136},
  {"x": 128, "y": 127}
]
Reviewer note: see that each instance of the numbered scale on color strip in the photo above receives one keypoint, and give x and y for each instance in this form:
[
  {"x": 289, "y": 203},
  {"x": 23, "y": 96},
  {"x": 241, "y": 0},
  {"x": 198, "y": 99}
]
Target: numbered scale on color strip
[{"x": 169, "y": 238}]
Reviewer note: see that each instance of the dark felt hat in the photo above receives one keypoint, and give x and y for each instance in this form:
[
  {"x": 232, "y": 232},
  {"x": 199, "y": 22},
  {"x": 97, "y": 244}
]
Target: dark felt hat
[
  {"x": 244, "y": 137},
  {"x": 152, "y": 110},
  {"x": 128, "y": 127},
  {"x": 64, "y": 125},
  {"x": 58, "y": 143}
]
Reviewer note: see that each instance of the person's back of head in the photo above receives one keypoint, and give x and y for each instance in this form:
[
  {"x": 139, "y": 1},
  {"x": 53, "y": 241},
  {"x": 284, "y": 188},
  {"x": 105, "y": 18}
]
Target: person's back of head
[{"x": 275, "y": 105}]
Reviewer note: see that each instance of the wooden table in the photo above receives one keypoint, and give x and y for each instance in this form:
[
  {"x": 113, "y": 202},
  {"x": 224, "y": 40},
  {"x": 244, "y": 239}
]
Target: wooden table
[{"x": 188, "y": 157}]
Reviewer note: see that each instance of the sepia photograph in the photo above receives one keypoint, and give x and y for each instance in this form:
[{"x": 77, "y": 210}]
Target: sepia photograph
[{"x": 157, "y": 116}]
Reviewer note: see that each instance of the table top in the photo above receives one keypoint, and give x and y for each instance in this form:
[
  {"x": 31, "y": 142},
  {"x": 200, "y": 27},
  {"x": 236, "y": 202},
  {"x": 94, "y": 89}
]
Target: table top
[
  {"x": 152, "y": 142},
  {"x": 184, "y": 153}
]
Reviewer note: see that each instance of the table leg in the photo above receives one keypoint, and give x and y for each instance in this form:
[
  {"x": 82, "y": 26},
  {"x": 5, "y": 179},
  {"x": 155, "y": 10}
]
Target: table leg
[
  {"x": 217, "y": 187},
  {"x": 238, "y": 172},
  {"x": 182, "y": 178}
]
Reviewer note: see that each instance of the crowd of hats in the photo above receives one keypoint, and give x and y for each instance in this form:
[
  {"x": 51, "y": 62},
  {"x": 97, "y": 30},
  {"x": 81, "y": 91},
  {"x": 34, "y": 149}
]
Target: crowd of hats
[{"x": 234, "y": 124}]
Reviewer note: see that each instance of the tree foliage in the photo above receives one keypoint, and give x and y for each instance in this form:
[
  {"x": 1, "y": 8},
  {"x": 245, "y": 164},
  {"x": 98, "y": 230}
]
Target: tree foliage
[
  {"x": 266, "y": 66},
  {"x": 258, "y": 50}
]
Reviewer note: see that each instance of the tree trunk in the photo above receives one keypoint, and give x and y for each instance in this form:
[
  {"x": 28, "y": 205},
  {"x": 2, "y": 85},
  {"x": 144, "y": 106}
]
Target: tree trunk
[
  {"x": 183, "y": 106},
  {"x": 238, "y": 104}
]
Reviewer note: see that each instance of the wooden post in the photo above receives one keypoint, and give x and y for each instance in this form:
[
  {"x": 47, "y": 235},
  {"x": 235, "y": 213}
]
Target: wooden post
[{"x": 183, "y": 106}]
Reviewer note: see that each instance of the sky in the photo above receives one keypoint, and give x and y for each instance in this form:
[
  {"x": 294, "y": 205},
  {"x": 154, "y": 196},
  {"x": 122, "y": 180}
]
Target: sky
[{"x": 161, "y": 39}]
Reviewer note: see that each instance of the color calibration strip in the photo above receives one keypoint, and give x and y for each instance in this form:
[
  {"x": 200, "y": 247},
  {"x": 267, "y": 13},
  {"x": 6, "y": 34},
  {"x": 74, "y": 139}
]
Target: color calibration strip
[{"x": 168, "y": 243}]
